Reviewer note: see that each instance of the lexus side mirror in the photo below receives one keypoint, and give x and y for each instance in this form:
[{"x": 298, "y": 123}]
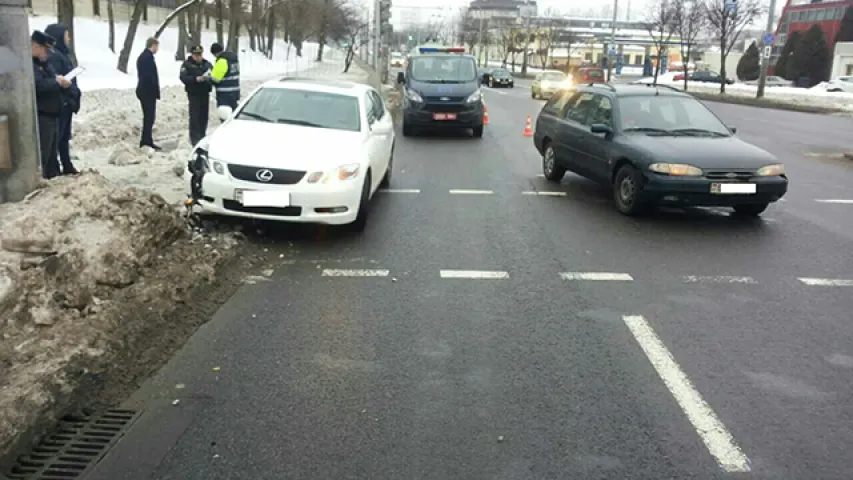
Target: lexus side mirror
[
  {"x": 600, "y": 128},
  {"x": 733, "y": 130},
  {"x": 224, "y": 112},
  {"x": 401, "y": 78}
]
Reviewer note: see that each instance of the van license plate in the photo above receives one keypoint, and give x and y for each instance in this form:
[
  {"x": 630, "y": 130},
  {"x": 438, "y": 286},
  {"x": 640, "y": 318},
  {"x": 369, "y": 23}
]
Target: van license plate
[{"x": 444, "y": 116}]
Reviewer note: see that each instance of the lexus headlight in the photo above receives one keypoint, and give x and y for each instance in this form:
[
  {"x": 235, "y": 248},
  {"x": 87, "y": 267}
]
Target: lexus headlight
[
  {"x": 474, "y": 97},
  {"x": 339, "y": 174},
  {"x": 414, "y": 96},
  {"x": 771, "y": 170},
  {"x": 218, "y": 167},
  {"x": 676, "y": 169}
]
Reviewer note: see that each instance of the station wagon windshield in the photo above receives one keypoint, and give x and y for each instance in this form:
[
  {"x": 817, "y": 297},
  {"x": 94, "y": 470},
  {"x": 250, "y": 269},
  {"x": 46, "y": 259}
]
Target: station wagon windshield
[
  {"x": 444, "y": 69},
  {"x": 667, "y": 114}
]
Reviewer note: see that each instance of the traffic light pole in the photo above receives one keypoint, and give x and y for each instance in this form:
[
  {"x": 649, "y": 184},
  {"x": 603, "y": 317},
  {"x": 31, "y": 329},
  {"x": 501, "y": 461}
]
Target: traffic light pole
[
  {"x": 377, "y": 32},
  {"x": 765, "y": 59}
]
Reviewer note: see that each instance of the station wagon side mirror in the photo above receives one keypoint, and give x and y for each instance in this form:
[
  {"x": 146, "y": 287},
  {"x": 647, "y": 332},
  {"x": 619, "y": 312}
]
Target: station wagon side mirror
[
  {"x": 733, "y": 130},
  {"x": 601, "y": 128},
  {"x": 401, "y": 78}
]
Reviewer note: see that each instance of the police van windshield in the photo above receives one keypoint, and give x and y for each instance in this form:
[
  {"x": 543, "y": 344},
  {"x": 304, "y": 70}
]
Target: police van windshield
[
  {"x": 302, "y": 107},
  {"x": 444, "y": 69}
]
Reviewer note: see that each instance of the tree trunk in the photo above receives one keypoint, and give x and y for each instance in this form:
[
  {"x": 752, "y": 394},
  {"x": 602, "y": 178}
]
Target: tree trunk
[
  {"x": 65, "y": 16},
  {"x": 145, "y": 13},
  {"x": 657, "y": 65},
  {"x": 220, "y": 17},
  {"x": 270, "y": 34},
  {"x": 96, "y": 8},
  {"x": 182, "y": 37},
  {"x": 684, "y": 63},
  {"x": 235, "y": 13},
  {"x": 178, "y": 12},
  {"x": 135, "y": 17},
  {"x": 254, "y": 25},
  {"x": 200, "y": 16},
  {"x": 111, "y": 17},
  {"x": 723, "y": 54}
]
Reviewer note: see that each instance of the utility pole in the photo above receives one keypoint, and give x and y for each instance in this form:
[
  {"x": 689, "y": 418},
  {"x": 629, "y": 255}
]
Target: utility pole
[
  {"x": 612, "y": 46},
  {"x": 765, "y": 57},
  {"x": 20, "y": 167},
  {"x": 480, "y": 40},
  {"x": 377, "y": 28},
  {"x": 526, "y": 42}
]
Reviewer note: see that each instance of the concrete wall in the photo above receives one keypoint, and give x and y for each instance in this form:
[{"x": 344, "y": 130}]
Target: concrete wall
[
  {"x": 17, "y": 96},
  {"x": 842, "y": 60}
]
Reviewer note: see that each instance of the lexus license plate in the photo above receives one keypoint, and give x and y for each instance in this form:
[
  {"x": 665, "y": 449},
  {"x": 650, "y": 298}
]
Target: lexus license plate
[
  {"x": 733, "y": 188},
  {"x": 444, "y": 116}
]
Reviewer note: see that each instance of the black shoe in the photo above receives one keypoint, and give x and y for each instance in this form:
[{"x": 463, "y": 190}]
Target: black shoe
[{"x": 70, "y": 171}]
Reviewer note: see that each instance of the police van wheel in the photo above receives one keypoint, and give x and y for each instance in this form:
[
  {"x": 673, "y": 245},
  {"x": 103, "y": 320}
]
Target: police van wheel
[
  {"x": 408, "y": 131},
  {"x": 478, "y": 132}
]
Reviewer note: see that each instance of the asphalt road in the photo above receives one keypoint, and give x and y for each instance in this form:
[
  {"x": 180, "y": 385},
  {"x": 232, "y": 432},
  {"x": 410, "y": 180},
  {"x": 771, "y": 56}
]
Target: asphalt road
[{"x": 694, "y": 351}]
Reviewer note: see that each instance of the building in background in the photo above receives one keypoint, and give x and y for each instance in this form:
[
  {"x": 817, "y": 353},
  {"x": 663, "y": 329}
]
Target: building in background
[{"x": 800, "y": 15}]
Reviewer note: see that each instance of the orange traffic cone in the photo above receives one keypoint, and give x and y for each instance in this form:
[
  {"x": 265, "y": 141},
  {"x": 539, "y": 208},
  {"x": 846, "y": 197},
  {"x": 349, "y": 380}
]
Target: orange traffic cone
[
  {"x": 485, "y": 115},
  {"x": 528, "y": 130}
]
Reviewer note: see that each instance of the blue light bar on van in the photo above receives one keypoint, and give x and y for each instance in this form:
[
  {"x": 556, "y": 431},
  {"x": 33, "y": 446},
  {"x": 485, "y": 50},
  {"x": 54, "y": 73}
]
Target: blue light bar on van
[{"x": 442, "y": 49}]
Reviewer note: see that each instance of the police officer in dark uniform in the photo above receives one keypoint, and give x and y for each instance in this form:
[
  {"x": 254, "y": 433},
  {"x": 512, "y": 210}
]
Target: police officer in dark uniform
[
  {"x": 195, "y": 75},
  {"x": 226, "y": 76},
  {"x": 50, "y": 89}
]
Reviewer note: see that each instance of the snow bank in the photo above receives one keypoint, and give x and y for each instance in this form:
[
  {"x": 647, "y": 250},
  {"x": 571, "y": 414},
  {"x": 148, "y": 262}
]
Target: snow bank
[{"x": 100, "y": 63}]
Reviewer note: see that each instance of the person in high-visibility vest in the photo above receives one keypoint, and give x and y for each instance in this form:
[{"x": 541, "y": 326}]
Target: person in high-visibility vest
[{"x": 226, "y": 76}]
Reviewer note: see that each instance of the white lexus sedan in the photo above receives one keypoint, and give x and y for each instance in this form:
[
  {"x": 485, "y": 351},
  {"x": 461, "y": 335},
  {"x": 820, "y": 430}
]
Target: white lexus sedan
[{"x": 296, "y": 150}]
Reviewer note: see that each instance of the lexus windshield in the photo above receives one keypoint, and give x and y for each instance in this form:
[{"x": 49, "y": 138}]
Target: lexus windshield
[
  {"x": 669, "y": 114},
  {"x": 444, "y": 69},
  {"x": 303, "y": 107}
]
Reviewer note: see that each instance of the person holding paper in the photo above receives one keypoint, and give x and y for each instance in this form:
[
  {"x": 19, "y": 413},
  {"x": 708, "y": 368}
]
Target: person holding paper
[
  {"x": 197, "y": 85},
  {"x": 49, "y": 94},
  {"x": 148, "y": 90},
  {"x": 226, "y": 77},
  {"x": 60, "y": 60}
]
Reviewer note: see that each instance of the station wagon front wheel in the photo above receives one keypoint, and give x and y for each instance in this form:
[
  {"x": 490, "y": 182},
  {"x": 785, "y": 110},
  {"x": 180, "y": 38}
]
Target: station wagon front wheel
[
  {"x": 552, "y": 171},
  {"x": 627, "y": 187}
]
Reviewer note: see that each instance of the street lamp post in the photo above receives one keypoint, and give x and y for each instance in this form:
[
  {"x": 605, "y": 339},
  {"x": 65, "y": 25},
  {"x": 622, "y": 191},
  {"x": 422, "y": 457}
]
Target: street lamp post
[{"x": 612, "y": 46}]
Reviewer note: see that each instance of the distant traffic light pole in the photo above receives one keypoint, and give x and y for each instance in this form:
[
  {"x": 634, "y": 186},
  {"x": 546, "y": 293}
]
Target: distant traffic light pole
[{"x": 19, "y": 152}]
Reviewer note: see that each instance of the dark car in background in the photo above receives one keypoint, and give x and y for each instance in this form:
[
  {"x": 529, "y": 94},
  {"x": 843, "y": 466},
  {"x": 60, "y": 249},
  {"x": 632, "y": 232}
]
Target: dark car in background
[
  {"x": 589, "y": 75},
  {"x": 498, "y": 77},
  {"x": 654, "y": 146},
  {"x": 705, "y": 76}
]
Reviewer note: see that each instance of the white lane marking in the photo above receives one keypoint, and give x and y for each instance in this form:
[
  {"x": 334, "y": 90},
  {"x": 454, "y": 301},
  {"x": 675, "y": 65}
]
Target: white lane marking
[
  {"x": 546, "y": 194},
  {"x": 827, "y": 282},
  {"x": 711, "y": 430},
  {"x": 540, "y": 175},
  {"x": 718, "y": 279},
  {"x": 475, "y": 274},
  {"x": 835, "y": 200},
  {"x": 597, "y": 276},
  {"x": 400, "y": 190},
  {"x": 471, "y": 192},
  {"x": 334, "y": 272}
]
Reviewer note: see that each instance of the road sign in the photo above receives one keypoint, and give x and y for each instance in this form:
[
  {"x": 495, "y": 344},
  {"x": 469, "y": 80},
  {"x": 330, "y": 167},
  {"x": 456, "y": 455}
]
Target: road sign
[
  {"x": 769, "y": 38},
  {"x": 612, "y": 52},
  {"x": 730, "y": 5},
  {"x": 768, "y": 50}
]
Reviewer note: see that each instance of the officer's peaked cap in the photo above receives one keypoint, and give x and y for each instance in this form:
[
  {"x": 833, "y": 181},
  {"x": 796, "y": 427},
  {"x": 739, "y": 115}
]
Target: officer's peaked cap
[
  {"x": 42, "y": 38},
  {"x": 197, "y": 50}
]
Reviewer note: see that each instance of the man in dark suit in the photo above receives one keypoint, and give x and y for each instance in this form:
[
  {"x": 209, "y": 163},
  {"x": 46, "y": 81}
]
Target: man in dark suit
[
  {"x": 49, "y": 94},
  {"x": 60, "y": 60},
  {"x": 148, "y": 90}
]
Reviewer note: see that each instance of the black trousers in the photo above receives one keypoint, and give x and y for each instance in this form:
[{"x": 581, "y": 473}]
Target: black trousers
[
  {"x": 149, "y": 113},
  {"x": 230, "y": 99},
  {"x": 199, "y": 113},
  {"x": 48, "y": 132},
  {"x": 64, "y": 139}
]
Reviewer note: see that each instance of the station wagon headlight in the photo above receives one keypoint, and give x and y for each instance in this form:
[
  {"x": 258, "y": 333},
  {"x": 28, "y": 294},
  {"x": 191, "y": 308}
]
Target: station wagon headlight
[
  {"x": 474, "y": 97},
  {"x": 339, "y": 174},
  {"x": 414, "y": 96},
  {"x": 676, "y": 169},
  {"x": 771, "y": 170}
]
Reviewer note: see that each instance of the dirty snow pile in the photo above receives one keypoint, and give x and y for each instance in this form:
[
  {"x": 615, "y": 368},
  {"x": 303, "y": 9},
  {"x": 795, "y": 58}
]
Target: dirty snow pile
[{"x": 85, "y": 268}]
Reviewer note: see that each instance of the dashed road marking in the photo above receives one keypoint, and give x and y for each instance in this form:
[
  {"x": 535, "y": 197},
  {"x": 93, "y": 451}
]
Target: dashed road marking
[
  {"x": 400, "y": 190},
  {"x": 545, "y": 194},
  {"x": 827, "y": 282},
  {"x": 842, "y": 201},
  {"x": 718, "y": 279},
  {"x": 710, "y": 428},
  {"x": 475, "y": 274},
  {"x": 597, "y": 276},
  {"x": 471, "y": 192},
  {"x": 335, "y": 272}
]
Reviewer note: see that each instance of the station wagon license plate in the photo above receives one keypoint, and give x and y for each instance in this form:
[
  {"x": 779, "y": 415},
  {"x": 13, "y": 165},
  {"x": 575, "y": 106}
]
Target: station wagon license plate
[
  {"x": 733, "y": 188},
  {"x": 444, "y": 116},
  {"x": 262, "y": 198}
]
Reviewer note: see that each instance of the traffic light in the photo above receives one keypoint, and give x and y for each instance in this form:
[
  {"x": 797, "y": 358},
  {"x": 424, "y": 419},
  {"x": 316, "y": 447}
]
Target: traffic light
[
  {"x": 387, "y": 29},
  {"x": 384, "y": 11}
]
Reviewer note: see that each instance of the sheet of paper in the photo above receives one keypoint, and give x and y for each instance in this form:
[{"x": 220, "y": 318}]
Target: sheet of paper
[{"x": 74, "y": 73}]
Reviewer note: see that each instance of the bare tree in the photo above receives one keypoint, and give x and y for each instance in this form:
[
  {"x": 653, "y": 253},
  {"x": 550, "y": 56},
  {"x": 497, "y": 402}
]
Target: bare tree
[
  {"x": 547, "y": 41},
  {"x": 135, "y": 17},
  {"x": 661, "y": 26},
  {"x": 174, "y": 13},
  {"x": 111, "y": 19},
  {"x": 727, "y": 26},
  {"x": 96, "y": 8},
  {"x": 690, "y": 21},
  {"x": 355, "y": 29},
  {"x": 65, "y": 16}
]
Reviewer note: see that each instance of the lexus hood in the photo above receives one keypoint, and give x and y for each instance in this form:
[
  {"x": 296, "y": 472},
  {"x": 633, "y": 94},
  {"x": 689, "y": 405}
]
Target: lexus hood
[{"x": 276, "y": 145}]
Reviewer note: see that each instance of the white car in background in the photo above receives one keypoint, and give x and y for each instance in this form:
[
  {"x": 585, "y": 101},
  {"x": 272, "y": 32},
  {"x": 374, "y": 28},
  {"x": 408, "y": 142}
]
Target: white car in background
[
  {"x": 296, "y": 150},
  {"x": 840, "y": 84}
]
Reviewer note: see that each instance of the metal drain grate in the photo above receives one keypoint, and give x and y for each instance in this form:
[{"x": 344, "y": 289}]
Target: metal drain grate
[{"x": 78, "y": 443}]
